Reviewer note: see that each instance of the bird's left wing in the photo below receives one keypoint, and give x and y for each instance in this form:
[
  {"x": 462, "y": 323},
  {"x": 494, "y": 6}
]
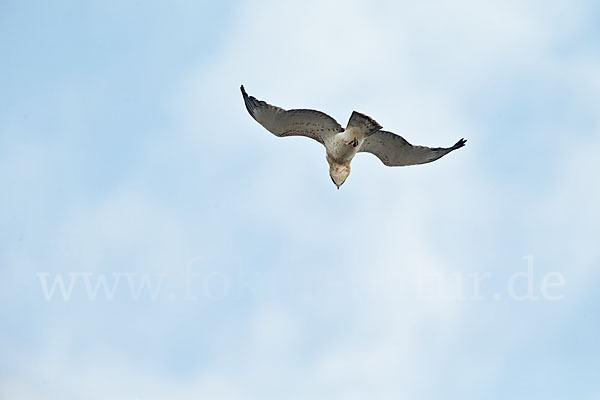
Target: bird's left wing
[
  {"x": 311, "y": 123},
  {"x": 394, "y": 151}
]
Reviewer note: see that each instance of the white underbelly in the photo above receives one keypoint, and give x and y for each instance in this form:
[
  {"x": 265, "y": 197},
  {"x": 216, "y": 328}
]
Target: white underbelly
[{"x": 340, "y": 147}]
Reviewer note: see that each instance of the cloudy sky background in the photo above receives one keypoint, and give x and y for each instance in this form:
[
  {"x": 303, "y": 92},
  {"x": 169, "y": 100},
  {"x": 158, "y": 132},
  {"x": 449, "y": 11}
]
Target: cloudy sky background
[{"x": 125, "y": 150}]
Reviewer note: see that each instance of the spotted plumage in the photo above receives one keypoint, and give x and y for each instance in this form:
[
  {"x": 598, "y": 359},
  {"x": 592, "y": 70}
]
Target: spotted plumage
[{"x": 362, "y": 134}]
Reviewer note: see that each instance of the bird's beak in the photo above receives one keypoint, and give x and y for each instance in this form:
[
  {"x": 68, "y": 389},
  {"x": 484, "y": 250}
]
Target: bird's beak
[{"x": 332, "y": 180}]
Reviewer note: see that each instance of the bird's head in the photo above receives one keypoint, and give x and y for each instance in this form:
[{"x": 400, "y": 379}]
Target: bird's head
[{"x": 338, "y": 172}]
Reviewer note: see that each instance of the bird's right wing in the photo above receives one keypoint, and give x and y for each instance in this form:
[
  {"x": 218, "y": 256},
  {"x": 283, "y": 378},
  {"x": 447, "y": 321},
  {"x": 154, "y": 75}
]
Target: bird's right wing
[
  {"x": 311, "y": 123},
  {"x": 394, "y": 151}
]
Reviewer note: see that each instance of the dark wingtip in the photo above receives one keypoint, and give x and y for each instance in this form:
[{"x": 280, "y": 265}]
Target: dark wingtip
[
  {"x": 248, "y": 101},
  {"x": 459, "y": 144}
]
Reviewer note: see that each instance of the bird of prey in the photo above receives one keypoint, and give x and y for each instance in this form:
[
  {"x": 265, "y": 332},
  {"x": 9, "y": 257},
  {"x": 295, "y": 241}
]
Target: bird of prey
[{"x": 362, "y": 134}]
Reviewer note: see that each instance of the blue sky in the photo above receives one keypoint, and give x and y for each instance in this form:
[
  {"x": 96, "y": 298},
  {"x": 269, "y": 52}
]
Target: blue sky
[{"x": 126, "y": 154}]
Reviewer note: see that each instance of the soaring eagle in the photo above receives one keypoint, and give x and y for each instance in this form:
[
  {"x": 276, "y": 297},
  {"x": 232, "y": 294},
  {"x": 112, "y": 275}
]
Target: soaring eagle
[{"x": 362, "y": 134}]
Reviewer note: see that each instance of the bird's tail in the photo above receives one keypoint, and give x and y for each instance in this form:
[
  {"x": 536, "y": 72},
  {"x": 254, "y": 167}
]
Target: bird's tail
[{"x": 363, "y": 123}]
